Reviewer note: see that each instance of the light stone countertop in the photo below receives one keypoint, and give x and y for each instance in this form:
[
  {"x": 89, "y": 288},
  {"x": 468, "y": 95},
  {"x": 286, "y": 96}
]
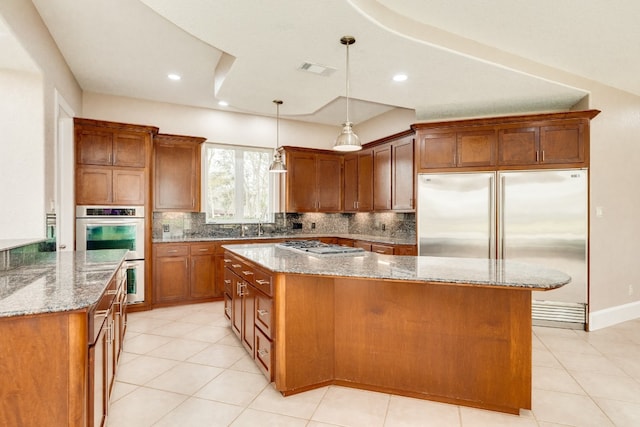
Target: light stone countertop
[
  {"x": 7, "y": 244},
  {"x": 368, "y": 238},
  {"x": 471, "y": 271},
  {"x": 58, "y": 281}
]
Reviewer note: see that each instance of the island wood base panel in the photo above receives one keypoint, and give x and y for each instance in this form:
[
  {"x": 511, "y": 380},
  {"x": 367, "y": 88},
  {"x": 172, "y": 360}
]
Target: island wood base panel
[{"x": 466, "y": 345}]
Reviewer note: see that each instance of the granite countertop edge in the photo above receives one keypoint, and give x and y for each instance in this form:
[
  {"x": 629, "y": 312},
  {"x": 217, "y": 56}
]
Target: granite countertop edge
[
  {"x": 368, "y": 238},
  {"x": 369, "y": 265},
  {"x": 58, "y": 282}
]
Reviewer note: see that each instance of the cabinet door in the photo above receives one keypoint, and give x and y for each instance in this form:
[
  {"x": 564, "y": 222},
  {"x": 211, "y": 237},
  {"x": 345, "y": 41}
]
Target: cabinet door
[
  {"x": 476, "y": 148},
  {"x": 248, "y": 319},
  {"x": 382, "y": 177},
  {"x": 202, "y": 275},
  {"x": 94, "y": 185},
  {"x": 365, "y": 181},
  {"x": 351, "y": 183},
  {"x": 98, "y": 395},
  {"x": 171, "y": 278},
  {"x": 94, "y": 147},
  {"x": 562, "y": 144},
  {"x": 129, "y": 150},
  {"x": 329, "y": 182},
  {"x": 301, "y": 182},
  {"x": 405, "y": 250},
  {"x": 402, "y": 176},
  {"x": 518, "y": 146},
  {"x": 177, "y": 177},
  {"x": 128, "y": 187},
  {"x": 437, "y": 150},
  {"x": 264, "y": 313},
  {"x": 236, "y": 303}
]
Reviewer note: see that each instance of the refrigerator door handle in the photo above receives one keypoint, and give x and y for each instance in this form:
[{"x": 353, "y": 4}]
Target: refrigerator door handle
[
  {"x": 492, "y": 214},
  {"x": 500, "y": 240}
]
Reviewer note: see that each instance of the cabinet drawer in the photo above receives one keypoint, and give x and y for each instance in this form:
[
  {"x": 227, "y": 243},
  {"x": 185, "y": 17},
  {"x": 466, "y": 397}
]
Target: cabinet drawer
[
  {"x": 203, "y": 249},
  {"x": 382, "y": 249},
  {"x": 264, "y": 310},
  {"x": 171, "y": 250},
  {"x": 264, "y": 354},
  {"x": 262, "y": 281},
  {"x": 235, "y": 265}
]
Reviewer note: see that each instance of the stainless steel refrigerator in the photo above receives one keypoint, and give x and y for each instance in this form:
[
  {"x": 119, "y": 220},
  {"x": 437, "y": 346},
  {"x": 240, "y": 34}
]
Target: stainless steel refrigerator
[{"x": 538, "y": 217}]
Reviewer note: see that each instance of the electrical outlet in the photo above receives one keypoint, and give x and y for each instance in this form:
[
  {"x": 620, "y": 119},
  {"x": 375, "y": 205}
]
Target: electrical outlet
[
  {"x": 630, "y": 290},
  {"x": 165, "y": 228},
  {"x": 313, "y": 225},
  {"x": 384, "y": 227}
]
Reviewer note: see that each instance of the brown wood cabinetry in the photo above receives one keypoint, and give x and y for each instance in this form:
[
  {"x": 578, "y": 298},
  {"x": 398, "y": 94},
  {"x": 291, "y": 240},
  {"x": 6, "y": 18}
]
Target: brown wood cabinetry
[
  {"x": 250, "y": 293},
  {"x": 514, "y": 142},
  {"x": 382, "y": 177},
  {"x": 112, "y": 162},
  {"x": 176, "y": 184},
  {"x": 453, "y": 149},
  {"x": 184, "y": 272},
  {"x": 386, "y": 249},
  {"x": 402, "y": 175},
  {"x": 65, "y": 362},
  {"x": 313, "y": 180},
  {"x": 358, "y": 181}
]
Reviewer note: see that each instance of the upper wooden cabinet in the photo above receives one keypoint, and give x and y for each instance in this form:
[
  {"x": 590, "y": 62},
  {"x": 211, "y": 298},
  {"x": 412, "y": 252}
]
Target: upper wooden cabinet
[
  {"x": 514, "y": 142},
  {"x": 402, "y": 174},
  {"x": 453, "y": 149},
  {"x": 313, "y": 180},
  {"x": 112, "y": 162},
  {"x": 382, "y": 177},
  {"x": 358, "y": 181},
  {"x": 176, "y": 182}
]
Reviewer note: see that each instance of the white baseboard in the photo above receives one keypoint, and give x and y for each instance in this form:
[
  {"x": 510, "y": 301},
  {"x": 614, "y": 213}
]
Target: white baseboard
[{"x": 614, "y": 315}]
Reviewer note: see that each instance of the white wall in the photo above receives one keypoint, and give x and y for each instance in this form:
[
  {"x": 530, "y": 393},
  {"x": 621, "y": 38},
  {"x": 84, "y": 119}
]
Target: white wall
[
  {"x": 38, "y": 124},
  {"x": 215, "y": 125},
  {"x": 21, "y": 156}
]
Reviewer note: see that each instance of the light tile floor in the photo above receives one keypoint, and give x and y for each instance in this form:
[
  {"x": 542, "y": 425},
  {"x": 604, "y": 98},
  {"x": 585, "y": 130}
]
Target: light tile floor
[{"x": 183, "y": 366}]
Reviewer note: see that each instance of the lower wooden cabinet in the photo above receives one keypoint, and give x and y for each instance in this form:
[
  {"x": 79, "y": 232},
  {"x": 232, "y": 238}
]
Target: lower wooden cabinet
[
  {"x": 382, "y": 248},
  {"x": 249, "y": 295},
  {"x": 184, "y": 272}
]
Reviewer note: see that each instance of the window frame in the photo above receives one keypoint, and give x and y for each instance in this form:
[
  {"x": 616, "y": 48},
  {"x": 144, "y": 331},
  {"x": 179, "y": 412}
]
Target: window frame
[{"x": 273, "y": 187}]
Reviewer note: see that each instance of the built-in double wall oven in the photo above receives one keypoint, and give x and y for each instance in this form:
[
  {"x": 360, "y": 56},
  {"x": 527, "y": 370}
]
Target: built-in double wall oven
[{"x": 115, "y": 227}]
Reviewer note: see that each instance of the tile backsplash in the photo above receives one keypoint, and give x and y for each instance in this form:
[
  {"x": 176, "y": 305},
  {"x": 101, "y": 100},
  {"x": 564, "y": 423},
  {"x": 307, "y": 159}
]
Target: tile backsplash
[{"x": 167, "y": 225}]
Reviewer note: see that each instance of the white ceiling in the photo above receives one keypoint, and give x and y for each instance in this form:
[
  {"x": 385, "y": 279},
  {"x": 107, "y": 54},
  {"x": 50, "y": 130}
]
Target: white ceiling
[{"x": 248, "y": 53}]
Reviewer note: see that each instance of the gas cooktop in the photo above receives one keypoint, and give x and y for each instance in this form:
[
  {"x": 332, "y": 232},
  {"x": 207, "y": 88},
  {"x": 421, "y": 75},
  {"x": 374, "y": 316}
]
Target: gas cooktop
[{"x": 316, "y": 247}]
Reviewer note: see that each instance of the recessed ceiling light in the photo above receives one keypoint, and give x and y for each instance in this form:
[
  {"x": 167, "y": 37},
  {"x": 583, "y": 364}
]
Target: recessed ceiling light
[
  {"x": 223, "y": 103},
  {"x": 400, "y": 77},
  {"x": 173, "y": 76}
]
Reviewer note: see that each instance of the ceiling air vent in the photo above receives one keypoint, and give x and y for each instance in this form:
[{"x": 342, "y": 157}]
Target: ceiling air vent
[{"x": 318, "y": 69}]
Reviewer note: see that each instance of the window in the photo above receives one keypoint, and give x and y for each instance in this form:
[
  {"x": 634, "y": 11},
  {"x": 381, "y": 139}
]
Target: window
[{"x": 238, "y": 186}]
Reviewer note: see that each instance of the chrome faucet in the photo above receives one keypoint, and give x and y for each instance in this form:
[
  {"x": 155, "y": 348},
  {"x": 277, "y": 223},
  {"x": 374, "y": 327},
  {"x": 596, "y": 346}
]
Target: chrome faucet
[{"x": 260, "y": 230}]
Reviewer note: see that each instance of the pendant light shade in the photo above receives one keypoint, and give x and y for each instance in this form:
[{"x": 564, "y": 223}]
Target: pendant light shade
[
  {"x": 277, "y": 165},
  {"x": 347, "y": 140}
]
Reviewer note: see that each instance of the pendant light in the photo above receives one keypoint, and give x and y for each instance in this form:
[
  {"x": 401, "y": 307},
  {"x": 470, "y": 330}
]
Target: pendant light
[
  {"x": 347, "y": 140},
  {"x": 277, "y": 166}
]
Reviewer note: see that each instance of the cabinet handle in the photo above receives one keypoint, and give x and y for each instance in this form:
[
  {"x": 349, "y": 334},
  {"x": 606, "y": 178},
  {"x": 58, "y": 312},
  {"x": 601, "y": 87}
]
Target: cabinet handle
[
  {"x": 240, "y": 290},
  {"x": 111, "y": 292},
  {"x": 203, "y": 249},
  {"x": 172, "y": 251},
  {"x": 537, "y": 156},
  {"x": 247, "y": 273},
  {"x": 227, "y": 310},
  {"x": 262, "y": 282},
  {"x": 262, "y": 312},
  {"x": 104, "y": 313},
  {"x": 542, "y": 156},
  {"x": 262, "y": 352},
  {"x": 227, "y": 260},
  {"x": 236, "y": 265},
  {"x": 227, "y": 281}
]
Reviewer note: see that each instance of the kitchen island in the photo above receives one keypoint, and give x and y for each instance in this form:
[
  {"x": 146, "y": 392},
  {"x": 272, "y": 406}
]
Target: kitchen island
[
  {"x": 453, "y": 330},
  {"x": 62, "y": 320}
]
